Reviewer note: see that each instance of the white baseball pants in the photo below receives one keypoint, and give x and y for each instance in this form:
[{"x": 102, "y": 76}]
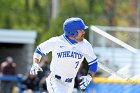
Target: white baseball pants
[{"x": 55, "y": 85}]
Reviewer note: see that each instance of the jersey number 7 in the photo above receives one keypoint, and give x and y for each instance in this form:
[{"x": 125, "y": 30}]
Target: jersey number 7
[{"x": 76, "y": 64}]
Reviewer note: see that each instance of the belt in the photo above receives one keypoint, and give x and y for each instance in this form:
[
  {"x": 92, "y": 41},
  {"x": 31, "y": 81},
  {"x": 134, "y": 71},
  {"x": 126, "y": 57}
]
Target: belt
[{"x": 69, "y": 80}]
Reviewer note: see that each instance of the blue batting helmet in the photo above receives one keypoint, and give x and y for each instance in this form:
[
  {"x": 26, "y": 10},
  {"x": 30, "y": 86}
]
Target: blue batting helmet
[{"x": 71, "y": 25}]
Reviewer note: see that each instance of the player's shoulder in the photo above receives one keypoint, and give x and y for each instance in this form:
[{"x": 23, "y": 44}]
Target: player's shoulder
[{"x": 86, "y": 42}]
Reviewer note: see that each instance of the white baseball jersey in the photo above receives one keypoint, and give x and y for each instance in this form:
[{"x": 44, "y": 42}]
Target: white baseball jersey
[{"x": 67, "y": 56}]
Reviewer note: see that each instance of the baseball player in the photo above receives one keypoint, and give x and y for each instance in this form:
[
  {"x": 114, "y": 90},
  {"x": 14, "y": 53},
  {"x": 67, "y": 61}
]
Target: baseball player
[{"x": 68, "y": 52}]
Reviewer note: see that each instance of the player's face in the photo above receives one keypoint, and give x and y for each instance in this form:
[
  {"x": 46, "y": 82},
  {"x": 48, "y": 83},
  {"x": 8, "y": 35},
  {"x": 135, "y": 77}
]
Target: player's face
[{"x": 81, "y": 34}]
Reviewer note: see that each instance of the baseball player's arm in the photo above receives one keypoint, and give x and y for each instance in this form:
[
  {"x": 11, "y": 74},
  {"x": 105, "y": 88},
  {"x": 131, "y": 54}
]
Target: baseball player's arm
[
  {"x": 93, "y": 69},
  {"x": 36, "y": 59},
  {"x": 88, "y": 78},
  {"x": 91, "y": 59},
  {"x": 40, "y": 51}
]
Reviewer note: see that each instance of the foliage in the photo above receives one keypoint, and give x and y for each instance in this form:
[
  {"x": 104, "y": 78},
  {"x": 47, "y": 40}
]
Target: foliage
[{"x": 36, "y": 14}]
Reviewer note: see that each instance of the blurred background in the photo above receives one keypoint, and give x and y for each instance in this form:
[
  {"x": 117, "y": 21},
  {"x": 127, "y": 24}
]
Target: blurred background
[{"x": 26, "y": 23}]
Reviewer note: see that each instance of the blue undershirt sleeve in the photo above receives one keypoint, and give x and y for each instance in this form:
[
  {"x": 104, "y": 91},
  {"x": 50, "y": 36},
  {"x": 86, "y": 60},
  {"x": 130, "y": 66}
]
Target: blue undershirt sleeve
[
  {"x": 37, "y": 50},
  {"x": 93, "y": 67}
]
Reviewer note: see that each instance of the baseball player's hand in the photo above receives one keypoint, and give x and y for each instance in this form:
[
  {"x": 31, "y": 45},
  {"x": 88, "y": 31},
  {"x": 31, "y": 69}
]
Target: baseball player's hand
[
  {"x": 85, "y": 81},
  {"x": 35, "y": 68}
]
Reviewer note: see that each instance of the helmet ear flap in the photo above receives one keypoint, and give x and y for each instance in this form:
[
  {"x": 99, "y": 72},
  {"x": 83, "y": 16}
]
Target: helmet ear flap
[{"x": 71, "y": 33}]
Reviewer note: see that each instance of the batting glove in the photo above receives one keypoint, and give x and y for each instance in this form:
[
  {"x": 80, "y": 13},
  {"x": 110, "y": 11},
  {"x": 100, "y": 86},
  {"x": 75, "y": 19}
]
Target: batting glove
[
  {"x": 35, "y": 68},
  {"x": 85, "y": 81}
]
